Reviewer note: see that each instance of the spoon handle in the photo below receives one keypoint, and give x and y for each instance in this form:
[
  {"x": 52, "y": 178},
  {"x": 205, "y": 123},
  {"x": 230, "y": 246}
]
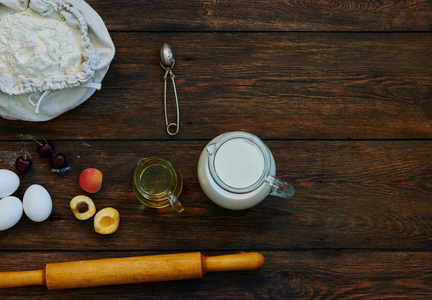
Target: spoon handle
[{"x": 177, "y": 123}]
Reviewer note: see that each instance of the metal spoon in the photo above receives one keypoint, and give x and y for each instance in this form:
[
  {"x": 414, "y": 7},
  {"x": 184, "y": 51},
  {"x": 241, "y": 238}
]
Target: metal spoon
[
  {"x": 167, "y": 63},
  {"x": 167, "y": 55}
]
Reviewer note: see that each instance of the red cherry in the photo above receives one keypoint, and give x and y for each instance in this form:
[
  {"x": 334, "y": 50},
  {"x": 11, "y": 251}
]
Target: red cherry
[
  {"x": 23, "y": 164},
  {"x": 58, "y": 162},
  {"x": 46, "y": 149}
]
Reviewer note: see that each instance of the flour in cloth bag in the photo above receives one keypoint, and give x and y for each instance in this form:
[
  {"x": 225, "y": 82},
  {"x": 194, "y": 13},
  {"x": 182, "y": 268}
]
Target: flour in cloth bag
[
  {"x": 38, "y": 47},
  {"x": 53, "y": 57}
]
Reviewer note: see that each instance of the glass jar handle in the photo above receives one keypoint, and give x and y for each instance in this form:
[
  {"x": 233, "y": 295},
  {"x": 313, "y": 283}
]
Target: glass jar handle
[
  {"x": 175, "y": 203},
  {"x": 279, "y": 187}
]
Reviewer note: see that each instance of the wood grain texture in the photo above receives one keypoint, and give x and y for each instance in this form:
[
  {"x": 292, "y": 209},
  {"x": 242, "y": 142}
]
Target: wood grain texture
[
  {"x": 292, "y": 274},
  {"x": 278, "y": 85},
  {"x": 278, "y": 15},
  {"x": 349, "y": 195},
  {"x": 339, "y": 90}
]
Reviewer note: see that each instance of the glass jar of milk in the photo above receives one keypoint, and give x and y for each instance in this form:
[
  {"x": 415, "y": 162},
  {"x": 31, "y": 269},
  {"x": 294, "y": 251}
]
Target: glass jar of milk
[{"x": 236, "y": 170}]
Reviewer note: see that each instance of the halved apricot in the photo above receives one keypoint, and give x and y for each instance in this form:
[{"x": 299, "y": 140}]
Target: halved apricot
[
  {"x": 82, "y": 207},
  {"x": 106, "y": 220}
]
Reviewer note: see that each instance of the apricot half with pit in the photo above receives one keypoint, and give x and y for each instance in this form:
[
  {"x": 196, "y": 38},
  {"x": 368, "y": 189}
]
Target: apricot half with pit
[
  {"x": 106, "y": 220},
  {"x": 82, "y": 207}
]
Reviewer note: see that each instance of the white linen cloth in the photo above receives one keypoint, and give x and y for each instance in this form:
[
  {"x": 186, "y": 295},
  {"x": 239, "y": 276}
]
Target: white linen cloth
[{"x": 32, "y": 99}]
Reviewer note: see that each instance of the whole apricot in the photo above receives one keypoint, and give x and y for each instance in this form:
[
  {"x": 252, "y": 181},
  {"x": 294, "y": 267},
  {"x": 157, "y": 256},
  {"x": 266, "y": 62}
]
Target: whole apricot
[{"x": 91, "y": 180}]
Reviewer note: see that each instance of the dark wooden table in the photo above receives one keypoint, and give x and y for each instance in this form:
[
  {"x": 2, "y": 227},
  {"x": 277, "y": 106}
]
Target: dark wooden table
[{"x": 341, "y": 92}]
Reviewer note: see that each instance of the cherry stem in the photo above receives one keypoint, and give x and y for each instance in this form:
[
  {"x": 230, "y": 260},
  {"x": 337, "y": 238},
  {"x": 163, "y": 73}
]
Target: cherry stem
[
  {"x": 46, "y": 142},
  {"x": 40, "y": 144},
  {"x": 25, "y": 148}
]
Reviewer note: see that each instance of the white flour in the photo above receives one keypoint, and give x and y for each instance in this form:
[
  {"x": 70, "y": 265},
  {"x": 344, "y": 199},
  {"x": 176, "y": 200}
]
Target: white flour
[{"x": 38, "y": 47}]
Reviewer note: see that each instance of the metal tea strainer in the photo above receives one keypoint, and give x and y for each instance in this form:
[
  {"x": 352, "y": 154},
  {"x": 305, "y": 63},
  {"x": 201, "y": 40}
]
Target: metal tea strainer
[{"x": 167, "y": 63}]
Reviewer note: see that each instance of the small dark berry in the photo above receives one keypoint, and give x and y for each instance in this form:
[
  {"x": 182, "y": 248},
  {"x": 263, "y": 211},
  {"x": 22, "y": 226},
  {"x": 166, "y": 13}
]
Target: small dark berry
[
  {"x": 23, "y": 164},
  {"x": 46, "y": 149},
  {"x": 58, "y": 162}
]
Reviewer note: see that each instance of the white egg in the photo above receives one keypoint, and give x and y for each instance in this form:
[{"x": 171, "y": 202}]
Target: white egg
[
  {"x": 37, "y": 203},
  {"x": 11, "y": 210},
  {"x": 9, "y": 182}
]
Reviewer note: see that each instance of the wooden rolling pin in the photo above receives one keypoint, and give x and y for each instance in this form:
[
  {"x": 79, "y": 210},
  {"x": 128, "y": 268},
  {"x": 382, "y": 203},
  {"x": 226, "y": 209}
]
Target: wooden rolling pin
[{"x": 111, "y": 271}]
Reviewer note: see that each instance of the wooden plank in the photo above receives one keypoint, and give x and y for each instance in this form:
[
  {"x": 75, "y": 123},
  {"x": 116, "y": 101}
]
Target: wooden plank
[
  {"x": 278, "y": 15},
  {"x": 287, "y": 274},
  {"x": 278, "y": 85},
  {"x": 349, "y": 195}
]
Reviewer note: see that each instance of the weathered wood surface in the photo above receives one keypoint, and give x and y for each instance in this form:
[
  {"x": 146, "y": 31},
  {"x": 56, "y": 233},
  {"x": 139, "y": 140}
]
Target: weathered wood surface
[
  {"x": 277, "y": 15},
  {"x": 339, "y": 90},
  {"x": 278, "y": 85}
]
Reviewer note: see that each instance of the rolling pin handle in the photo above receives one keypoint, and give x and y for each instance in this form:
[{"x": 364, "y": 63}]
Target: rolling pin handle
[
  {"x": 234, "y": 262},
  {"x": 22, "y": 278}
]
